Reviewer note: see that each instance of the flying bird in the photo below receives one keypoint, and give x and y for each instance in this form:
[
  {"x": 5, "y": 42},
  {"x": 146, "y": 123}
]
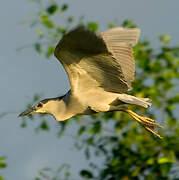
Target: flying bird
[{"x": 100, "y": 68}]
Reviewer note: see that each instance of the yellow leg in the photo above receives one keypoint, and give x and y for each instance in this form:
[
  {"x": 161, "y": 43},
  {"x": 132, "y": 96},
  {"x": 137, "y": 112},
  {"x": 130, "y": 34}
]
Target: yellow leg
[{"x": 146, "y": 122}]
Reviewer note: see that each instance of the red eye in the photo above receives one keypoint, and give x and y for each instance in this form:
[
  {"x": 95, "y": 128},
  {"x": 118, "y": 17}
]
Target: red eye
[{"x": 40, "y": 104}]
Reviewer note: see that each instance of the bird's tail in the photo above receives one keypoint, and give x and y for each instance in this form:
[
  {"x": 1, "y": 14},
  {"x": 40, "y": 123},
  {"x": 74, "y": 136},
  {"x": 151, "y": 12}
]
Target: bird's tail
[{"x": 128, "y": 99}]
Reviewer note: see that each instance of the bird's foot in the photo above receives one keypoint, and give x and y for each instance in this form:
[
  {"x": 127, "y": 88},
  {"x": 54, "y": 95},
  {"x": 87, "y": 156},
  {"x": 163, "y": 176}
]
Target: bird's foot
[{"x": 146, "y": 122}]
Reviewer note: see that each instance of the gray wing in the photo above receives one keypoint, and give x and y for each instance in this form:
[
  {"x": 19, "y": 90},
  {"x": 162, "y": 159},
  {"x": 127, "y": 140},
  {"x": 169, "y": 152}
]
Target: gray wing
[{"x": 92, "y": 62}]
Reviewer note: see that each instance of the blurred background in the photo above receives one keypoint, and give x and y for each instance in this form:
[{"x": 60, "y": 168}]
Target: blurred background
[{"x": 112, "y": 146}]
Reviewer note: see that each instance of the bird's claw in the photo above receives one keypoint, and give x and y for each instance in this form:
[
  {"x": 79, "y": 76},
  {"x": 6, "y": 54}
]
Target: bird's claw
[{"x": 146, "y": 122}]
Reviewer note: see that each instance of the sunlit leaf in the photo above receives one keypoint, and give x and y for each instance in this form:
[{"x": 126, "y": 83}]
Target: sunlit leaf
[
  {"x": 168, "y": 158},
  {"x": 93, "y": 26},
  {"x": 2, "y": 162},
  {"x": 47, "y": 22},
  {"x": 50, "y": 51},
  {"x": 165, "y": 38}
]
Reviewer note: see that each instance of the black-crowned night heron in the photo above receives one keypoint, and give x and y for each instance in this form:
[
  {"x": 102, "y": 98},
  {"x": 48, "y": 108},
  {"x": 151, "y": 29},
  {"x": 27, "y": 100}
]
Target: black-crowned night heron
[{"x": 100, "y": 69}]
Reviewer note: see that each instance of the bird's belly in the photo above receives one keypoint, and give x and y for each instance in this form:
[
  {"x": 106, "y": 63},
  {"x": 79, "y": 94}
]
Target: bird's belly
[{"x": 99, "y": 101}]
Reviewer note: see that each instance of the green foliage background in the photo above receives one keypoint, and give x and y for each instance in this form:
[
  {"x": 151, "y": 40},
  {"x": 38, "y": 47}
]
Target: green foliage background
[{"x": 128, "y": 151}]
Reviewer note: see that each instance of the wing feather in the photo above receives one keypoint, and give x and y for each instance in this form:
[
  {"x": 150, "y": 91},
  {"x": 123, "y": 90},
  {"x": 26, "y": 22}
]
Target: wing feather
[
  {"x": 119, "y": 42},
  {"x": 93, "y": 61}
]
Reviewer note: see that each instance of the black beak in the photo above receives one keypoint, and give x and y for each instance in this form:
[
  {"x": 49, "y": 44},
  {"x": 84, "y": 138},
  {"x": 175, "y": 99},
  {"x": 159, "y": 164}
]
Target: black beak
[{"x": 27, "y": 112}]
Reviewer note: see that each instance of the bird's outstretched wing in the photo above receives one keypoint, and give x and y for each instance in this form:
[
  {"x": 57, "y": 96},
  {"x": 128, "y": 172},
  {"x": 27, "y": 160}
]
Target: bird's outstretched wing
[
  {"x": 119, "y": 42},
  {"x": 98, "y": 61}
]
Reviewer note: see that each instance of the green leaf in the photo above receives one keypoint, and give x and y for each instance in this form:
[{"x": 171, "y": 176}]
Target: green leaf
[
  {"x": 47, "y": 23},
  {"x": 92, "y": 26},
  {"x": 165, "y": 38},
  {"x": 64, "y": 7},
  {"x": 52, "y": 9},
  {"x": 129, "y": 24},
  {"x": 87, "y": 153},
  {"x": 37, "y": 178},
  {"x": 44, "y": 126},
  {"x": 136, "y": 171},
  {"x": 167, "y": 158},
  {"x": 150, "y": 161},
  {"x": 115, "y": 162},
  {"x": 111, "y": 25},
  {"x": 86, "y": 174},
  {"x": 61, "y": 30},
  {"x": 50, "y": 51},
  {"x": 81, "y": 130},
  {"x": 174, "y": 100},
  {"x": 23, "y": 123},
  {"x": 96, "y": 128},
  {"x": 163, "y": 160},
  {"x": 67, "y": 174},
  {"x": 2, "y": 163},
  {"x": 70, "y": 19},
  {"x": 39, "y": 32},
  {"x": 37, "y": 47}
]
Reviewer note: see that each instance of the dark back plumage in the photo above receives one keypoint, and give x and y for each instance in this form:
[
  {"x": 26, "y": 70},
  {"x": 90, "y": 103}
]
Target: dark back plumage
[{"x": 44, "y": 101}]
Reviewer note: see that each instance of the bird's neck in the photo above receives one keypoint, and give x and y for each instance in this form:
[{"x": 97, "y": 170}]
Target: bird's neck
[
  {"x": 67, "y": 107},
  {"x": 62, "y": 113}
]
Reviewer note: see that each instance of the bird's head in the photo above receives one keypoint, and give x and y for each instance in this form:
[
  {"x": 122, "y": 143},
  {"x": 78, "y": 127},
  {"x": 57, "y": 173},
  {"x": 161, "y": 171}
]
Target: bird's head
[
  {"x": 39, "y": 108},
  {"x": 47, "y": 106}
]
